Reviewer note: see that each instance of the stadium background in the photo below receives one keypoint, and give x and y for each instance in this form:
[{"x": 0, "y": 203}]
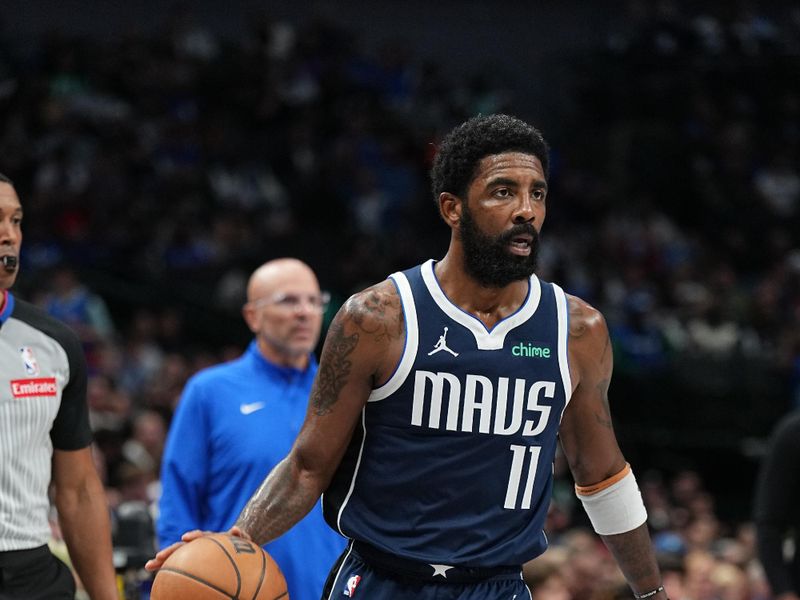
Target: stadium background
[{"x": 163, "y": 151}]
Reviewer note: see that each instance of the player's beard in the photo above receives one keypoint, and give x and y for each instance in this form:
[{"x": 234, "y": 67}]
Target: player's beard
[{"x": 487, "y": 258}]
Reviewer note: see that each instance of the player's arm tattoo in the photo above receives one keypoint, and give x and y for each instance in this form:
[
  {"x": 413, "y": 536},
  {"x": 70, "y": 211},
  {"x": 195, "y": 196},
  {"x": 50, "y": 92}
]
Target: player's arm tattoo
[
  {"x": 603, "y": 416},
  {"x": 380, "y": 315},
  {"x": 603, "y": 413},
  {"x": 275, "y": 507},
  {"x": 374, "y": 317},
  {"x": 334, "y": 370}
]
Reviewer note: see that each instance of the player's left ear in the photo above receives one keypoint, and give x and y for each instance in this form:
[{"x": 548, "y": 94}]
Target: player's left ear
[{"x": 450, "y": 207}]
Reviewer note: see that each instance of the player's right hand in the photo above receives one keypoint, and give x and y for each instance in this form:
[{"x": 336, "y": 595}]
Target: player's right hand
[{"x": 155, "y": 563}]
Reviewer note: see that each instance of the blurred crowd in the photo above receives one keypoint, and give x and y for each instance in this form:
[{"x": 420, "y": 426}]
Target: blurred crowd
[
  {"x": 701, "y": 556},
  {"x": 156, "y": 170}
]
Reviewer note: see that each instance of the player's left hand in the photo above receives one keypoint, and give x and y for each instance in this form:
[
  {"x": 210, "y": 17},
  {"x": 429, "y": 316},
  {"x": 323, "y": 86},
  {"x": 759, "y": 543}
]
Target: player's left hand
[{"x": 161, "y": 556}]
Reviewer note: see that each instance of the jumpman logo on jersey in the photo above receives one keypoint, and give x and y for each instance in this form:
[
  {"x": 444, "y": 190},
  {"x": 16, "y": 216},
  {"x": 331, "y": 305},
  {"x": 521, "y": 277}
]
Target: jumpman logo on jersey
[{"x": 442, "y": 345}]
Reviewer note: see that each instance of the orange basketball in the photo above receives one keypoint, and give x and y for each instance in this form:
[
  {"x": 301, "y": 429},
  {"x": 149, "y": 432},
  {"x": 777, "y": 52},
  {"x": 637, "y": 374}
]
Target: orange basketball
[{"x": 219, "y": 567}]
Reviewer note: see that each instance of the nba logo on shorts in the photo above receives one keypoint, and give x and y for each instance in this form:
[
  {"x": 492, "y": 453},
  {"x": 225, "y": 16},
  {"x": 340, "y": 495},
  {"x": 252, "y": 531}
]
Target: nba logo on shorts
[
  {"x": 352, "y": 584},
  {"x": 29, "y": 361}
]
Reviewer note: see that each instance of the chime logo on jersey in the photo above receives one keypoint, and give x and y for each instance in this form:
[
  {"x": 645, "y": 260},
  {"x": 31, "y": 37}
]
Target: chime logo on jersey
[
  {"x": 531, "y": 350},
  {"x": 29, "y": 360},
  {"x": 475, "y": 403},
  {"x": 352, "y": 584},
  {"x": 29, "y": 388}
]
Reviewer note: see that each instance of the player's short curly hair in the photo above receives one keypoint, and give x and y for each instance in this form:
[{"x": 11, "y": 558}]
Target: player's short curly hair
[
  {"x": 6, "y": 179},
  {"x": 463, "y": 148}
]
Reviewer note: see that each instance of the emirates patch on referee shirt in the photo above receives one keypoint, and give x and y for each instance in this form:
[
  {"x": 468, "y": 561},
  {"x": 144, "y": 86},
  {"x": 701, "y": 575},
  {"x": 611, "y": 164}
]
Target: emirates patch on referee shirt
[{"x": 30, "y": 388}]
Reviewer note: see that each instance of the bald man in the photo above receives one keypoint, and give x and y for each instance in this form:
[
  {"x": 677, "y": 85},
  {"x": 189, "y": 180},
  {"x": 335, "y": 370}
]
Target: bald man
[{"x": 236, "y": 421}]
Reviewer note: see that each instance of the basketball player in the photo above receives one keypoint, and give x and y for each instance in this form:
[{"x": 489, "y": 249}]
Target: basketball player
[
  {"x": 44, "y": 438},
  {"x": 438, "y": 464}
]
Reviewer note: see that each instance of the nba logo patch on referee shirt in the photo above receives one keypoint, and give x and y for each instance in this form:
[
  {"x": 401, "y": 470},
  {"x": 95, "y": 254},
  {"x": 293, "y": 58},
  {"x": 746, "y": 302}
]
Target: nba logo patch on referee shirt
[
  {"x": 29, "y": 361},
  {"x": 352, "y": 584}
]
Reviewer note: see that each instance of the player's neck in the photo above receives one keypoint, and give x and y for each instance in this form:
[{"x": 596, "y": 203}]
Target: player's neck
[{"x": 489, "y": 304}]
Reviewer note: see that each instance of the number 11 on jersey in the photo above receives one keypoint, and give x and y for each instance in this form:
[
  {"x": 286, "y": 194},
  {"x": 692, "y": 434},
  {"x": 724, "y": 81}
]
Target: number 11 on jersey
[{"x": 515, "y": 477}]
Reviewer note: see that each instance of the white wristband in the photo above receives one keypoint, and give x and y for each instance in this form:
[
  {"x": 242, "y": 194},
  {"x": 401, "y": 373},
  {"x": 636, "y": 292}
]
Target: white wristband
[{"x": 616, "y": 509}]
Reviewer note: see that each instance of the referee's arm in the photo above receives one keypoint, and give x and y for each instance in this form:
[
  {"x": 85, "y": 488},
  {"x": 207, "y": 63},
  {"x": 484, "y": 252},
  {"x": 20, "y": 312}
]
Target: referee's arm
[
  {"x": 79, "y": 495},
  {"x": 83, "y": 517}
]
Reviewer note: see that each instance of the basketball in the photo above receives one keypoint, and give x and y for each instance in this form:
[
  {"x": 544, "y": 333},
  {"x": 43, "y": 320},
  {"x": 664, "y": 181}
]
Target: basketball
[{"x": 219, "y": 566}]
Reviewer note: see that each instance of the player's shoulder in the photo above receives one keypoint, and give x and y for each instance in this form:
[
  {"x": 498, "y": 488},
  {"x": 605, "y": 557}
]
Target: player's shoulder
[
  {"x": 375, "y": 304},
  {"x": 371, "y": 320},
  {"x": 585, "y": 321},
  {"x": 381, "y": 292}
]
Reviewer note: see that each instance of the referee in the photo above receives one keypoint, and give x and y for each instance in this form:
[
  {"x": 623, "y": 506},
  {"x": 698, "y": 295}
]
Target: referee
[{"x": 44, "y": 439}]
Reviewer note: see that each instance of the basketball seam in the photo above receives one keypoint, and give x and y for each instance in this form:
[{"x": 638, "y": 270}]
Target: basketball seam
[
  {"x": 198, "y": 580},
  {"x": 283, "y": 595},
  {"x": 233, "y": 564},
  {"x": 263, "y": 574}
]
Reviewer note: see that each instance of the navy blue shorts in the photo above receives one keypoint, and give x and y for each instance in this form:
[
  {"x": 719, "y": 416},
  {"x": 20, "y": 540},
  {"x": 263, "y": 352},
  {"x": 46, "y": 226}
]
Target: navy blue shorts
[{"x": 362, "y": 572}]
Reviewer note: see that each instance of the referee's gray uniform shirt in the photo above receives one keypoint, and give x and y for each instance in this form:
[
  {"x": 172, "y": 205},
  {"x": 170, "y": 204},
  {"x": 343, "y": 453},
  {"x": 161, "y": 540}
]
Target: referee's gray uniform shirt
[{"x": 42, "y": 407}]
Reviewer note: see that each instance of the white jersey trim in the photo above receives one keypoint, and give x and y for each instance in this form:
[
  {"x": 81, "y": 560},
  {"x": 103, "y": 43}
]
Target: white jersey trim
[
  {"x": 355, "y": 473},
  {"x": 411, "y": 342},
  {"x": 562, "y": 309},
  {"x": 486, "y": 339}
]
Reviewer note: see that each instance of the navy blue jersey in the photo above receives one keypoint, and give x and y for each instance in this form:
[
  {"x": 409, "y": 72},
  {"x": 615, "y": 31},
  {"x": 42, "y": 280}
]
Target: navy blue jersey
[{"x": 453, "y": 460}]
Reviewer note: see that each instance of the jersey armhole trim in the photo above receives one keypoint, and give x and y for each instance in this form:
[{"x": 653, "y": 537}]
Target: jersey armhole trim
[
  {"x": 411, "y": 342},
  {"x": 562, "y": 310}
]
